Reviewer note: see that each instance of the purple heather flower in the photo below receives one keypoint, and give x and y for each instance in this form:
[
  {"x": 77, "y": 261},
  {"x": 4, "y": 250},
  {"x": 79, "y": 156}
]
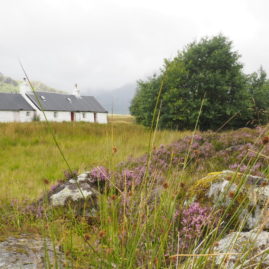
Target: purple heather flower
[
  {"x": 193, "y": 220},
  {"x": 54, "y": 186},
  {"x": 99, "y": 173}
]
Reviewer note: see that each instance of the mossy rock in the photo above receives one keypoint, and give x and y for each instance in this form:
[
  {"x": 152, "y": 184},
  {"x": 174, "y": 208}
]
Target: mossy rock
[
  {"x": 235, "y": 193},
  {"x": 202, "y": 186}
]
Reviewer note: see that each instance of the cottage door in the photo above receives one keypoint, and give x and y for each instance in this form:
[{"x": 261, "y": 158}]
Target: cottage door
[
  {"x": 95, "y": 117},
  {"x": 72, "y": 116}
]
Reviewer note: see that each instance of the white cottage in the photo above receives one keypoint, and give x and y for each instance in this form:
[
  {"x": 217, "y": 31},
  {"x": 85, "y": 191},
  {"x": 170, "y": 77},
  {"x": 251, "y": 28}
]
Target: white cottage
[
  {"x": 56, "y": 106},
  {"x": 13, "y": 107}
]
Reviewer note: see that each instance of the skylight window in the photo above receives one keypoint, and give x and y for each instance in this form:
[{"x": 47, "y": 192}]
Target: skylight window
[
  {"x": 43, "y": 98},
  {"x": 69, "y": 100}
]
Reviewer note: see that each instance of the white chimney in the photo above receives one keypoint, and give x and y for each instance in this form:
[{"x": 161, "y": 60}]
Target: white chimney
[
  {"x": 76, "y": 91},
  {"x": 24, "y": 87}
]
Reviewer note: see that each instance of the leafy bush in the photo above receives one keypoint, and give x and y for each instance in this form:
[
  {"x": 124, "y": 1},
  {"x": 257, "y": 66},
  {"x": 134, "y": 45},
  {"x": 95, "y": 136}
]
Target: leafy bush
[{"x": 207, "y": 72}]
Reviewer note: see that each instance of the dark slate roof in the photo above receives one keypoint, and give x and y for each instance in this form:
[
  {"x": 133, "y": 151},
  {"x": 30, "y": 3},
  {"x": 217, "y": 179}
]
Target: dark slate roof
[
  {"x": 65, "y": 102},
  {"x": 14, "y": 102}
]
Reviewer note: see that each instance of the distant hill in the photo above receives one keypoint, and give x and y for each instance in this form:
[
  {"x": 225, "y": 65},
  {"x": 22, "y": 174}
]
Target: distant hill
[
  {"x": 8, "y": 84},
  {"x": 119, "y": 99}
]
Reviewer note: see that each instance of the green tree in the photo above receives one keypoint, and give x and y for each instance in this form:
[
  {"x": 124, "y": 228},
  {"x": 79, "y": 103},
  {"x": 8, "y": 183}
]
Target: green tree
[
  {"x": 144, "y": 101},
  {"x": 207, "y": 70},
  {"x": 258, "y": 87}
]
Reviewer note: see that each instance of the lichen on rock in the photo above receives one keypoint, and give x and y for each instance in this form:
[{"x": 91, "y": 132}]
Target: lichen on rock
[
  {"x": 235, "y": 192},
  {"x": 247, "y": 249},
  {"x": 78, "y": 193},
  {"x": 73, "y": 191}
]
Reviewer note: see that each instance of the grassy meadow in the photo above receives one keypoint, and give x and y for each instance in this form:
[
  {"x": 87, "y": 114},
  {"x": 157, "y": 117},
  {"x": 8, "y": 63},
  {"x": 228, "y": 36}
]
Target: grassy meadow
[
  {"x": 139, "y": 222},
  {"x": 29, "y": 154},
  {"x": 117, "y": 118}
]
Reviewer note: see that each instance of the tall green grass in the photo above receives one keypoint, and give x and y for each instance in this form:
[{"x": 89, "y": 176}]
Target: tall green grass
[
  {"x": 28, "y": 153},
  {"x": 132, "y": 229}
]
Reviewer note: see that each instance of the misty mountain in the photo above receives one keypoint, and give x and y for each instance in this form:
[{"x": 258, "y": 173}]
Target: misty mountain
[{"x": 119, "y": 99}]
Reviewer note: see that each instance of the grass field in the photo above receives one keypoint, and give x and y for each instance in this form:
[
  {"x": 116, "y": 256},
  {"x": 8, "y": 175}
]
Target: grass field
[
  {"x": 131, "y": 229},
  {"x": 29, "y": 155},
  {"x": 116, "y": 118}
]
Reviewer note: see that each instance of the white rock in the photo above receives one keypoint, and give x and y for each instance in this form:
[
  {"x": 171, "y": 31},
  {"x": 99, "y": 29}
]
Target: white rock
[
  {"x": 83, "y": 176},
  {"x": 253, "y": 191},
  {"x": 59, "y": 198},
  {"x": 251, "y": 248},
  {"x": 262, "y": 194},
  {"x": 218, "y": 191}
]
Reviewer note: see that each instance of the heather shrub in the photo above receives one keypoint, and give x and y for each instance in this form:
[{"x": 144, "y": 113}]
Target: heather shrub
[
  {"x": 236, "y": 150},
  {"x": 99, "y": 174},
  {"x": 192, "y": 223}
]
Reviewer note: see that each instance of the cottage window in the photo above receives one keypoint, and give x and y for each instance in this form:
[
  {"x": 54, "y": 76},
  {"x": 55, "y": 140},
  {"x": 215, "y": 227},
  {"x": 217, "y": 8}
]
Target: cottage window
[
  {"x": 55, "y": 114},
  {"x": 27, "y": 113},
  {"x": 83, "y": 115}
]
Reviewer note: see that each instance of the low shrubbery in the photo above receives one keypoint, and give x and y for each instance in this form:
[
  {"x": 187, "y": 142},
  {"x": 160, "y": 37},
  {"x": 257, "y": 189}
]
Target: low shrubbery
[{"x": 145, "y": 211}]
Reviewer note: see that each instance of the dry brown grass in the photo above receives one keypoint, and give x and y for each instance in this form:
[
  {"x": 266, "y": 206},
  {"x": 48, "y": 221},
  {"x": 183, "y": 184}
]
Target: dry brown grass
[{"x": 118, "y": 118}]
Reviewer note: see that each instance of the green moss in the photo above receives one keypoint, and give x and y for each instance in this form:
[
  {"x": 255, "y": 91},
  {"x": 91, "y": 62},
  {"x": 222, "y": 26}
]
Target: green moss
[{"x": 201, "y": 186}]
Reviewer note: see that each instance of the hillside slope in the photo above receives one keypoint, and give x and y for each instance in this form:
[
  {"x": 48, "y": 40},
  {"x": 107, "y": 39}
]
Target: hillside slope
[
  {"x": 119, "y": 99},
  {"x": 7, "y": 84}
]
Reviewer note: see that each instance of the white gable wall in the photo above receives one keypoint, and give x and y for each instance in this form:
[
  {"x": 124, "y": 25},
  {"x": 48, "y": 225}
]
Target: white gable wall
[
  {"x": 101, "y": 118},
  {"x": 16, "y": 116},
  {"x": 6, "y": 116}
]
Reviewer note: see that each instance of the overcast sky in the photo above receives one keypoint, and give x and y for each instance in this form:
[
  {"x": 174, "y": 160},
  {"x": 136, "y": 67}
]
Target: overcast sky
[{"x": 104, "y": 44}]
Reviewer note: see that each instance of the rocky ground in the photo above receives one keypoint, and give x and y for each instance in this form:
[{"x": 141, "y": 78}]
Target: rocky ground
[{"x": 28, "y": 252}]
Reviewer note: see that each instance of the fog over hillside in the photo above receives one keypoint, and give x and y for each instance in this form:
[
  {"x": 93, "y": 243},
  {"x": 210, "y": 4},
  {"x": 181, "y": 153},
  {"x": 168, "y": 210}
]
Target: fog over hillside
[{"x": 117, "y": 100}]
